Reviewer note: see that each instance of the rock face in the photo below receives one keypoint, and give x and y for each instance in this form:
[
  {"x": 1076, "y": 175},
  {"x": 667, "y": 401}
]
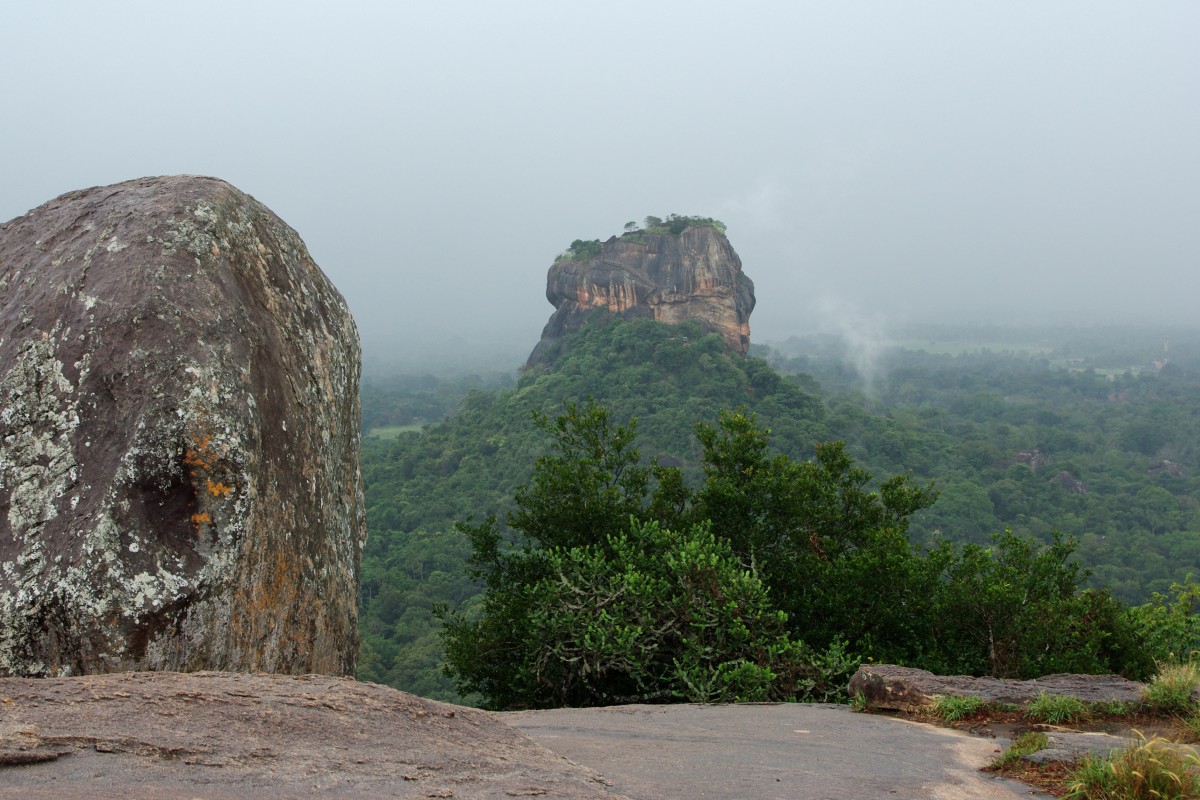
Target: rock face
[
  {"x": 694, "y": 275},
  {"x": 179, "y": 439},
  {"x": 908, "y": 689},
  {"x": 225, "y": 736}
]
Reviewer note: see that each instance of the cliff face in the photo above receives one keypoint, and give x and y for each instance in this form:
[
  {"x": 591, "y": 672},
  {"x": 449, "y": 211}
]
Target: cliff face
[
  {"x": 694, "y": 275},
  {"x": 179, "y": 441}
]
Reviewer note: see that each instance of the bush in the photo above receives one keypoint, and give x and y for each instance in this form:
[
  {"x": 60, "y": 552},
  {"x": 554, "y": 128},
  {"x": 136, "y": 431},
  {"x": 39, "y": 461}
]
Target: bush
[
  {"x": 581, "y": 249},
  {"x": 648, "y": 616},
  {"x": 1149, "y": 769},
  {"x": 1016, "y": 610},
  {"x": 1170, "y": 690},
  {"x": 1169, "y": 626}
]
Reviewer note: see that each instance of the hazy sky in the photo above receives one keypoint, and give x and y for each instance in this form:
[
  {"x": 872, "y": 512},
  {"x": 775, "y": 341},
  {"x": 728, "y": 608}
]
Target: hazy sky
[{"x": 887, "y": 160}]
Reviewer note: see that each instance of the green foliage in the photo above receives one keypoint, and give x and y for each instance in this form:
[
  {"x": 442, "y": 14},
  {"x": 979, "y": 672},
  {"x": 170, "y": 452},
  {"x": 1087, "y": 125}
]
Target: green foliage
[
  {"x": 964, "y": 414},
  {"x": 587, "y": 610},
  {"x": 835, "y": 567},
  {"x": 1057, "y": 709},
  {"x": 418, "y": 484},
  {"x": 1170, "y": 690},
  {"x": 411, "y": 401},
  {"x": 581, "y": 250},
  {"x": 402, "y": 581},
  {"x": 1151, "y": 768},
  {"x": 1114, "y": 708},
  {"x": 676, "y": 224},
  {"x": 1016, "y": 610},
  {"x": 645, "y": 616},
  {"x": 1027, "y": 743},
  {"x": 952, "y": 709},
  {"x": 1170, "y": 628},
  {"x": 588, "y": 487},
  {"x": 833, "y": 552},
  {"x": 961, "y": 418}
]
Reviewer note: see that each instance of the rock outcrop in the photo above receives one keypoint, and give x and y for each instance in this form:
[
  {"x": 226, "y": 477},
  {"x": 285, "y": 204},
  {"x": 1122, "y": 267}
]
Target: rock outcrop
[
  {"x": 1070, "y": 484},
  {"x": 907, "y": 689},
  {"x": 225, "y": 736},
  {"x": 1169, "y": 467},
  {"x": 692, "y": 275},
  {"x": 179, "y": 439}
]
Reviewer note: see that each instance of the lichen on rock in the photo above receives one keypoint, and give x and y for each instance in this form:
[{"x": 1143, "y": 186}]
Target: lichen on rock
[{"x": 179, "y": 438}]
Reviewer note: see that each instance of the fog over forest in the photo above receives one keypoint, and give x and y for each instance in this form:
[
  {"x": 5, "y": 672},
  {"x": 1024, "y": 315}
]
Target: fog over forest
[{"x": 876, "y": 163}]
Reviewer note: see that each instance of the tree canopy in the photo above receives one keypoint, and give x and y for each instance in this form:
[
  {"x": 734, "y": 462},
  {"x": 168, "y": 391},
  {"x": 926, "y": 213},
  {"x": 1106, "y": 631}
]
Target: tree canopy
[{"x": 617, "y": 583}]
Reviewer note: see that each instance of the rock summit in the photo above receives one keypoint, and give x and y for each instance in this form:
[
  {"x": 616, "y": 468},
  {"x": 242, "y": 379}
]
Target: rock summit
[{"x": 684, "y": 270}]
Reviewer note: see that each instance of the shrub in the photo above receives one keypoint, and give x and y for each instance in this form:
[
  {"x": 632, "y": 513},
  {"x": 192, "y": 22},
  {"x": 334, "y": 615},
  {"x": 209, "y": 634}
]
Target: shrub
[
  {"x": 1169, "y": 625},
  {"x": 1017, "y": 610},
  {"x": 1057, "y": 709},
  {"x": 581, "y": 249},
  {"x": 647, "y": 616},
  {"x": 1170, "y": 690},
  {"x": 1149, "y": 769}
]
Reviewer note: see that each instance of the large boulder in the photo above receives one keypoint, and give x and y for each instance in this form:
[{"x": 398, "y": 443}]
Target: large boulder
[
  {"x": 179, "y": 439},
  {"x": 670, "y": 277}
]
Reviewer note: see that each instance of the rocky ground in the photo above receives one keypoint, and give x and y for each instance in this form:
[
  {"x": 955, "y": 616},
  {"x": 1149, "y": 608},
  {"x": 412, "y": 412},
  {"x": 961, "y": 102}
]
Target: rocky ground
[{"x": 220, "y": 736}]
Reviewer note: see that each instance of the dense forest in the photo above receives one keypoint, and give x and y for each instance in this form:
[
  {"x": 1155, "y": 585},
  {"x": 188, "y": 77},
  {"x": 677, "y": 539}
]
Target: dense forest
[
  {"x": 1090, "y": 433},
  {"x": 1071, "y": 431}
]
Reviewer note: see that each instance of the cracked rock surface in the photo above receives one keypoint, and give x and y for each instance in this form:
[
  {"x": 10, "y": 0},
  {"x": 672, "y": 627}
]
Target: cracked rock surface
[{"x": 179, "y": 438}]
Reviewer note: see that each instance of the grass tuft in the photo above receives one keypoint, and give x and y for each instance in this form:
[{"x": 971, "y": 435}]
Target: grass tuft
[
  {"x": 1028, "y": 742},
  {"x": 1114, "y": 708},
  {"x": 1057, "y": 709},
  {"x": 952, "y": 709},
  {"x": 1170, "y": 690},
  {"x": 1191, "y": 728},
  {"x": 1149, "y": 769}
]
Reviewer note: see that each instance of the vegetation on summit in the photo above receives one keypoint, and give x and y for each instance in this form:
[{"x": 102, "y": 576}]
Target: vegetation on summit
[{"x": 674, "y": 224}]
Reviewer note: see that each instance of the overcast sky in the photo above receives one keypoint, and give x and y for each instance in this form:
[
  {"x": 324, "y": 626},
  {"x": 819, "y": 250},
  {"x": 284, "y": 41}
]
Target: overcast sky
[{"x": 883, "y": 161}]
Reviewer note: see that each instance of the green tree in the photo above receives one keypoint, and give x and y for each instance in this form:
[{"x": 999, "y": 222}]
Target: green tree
[
  {"x": 834, "y": 552},
  {"x": 649, "y": 615},
  {"x": 590, "y": 484},
  {"x": 583, "y": 608},
  {"x": 1017, "y": 610}
]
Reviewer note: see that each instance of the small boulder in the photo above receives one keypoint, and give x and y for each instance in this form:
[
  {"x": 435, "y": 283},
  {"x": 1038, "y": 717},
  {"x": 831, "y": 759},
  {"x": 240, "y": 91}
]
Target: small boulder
[{"x": 179, "y": 440}]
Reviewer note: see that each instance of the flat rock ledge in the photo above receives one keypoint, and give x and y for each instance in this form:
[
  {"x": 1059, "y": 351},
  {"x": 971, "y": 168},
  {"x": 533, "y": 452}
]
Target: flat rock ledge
[
  {"x": 220, "y": 736},
  {"x": 1069, "y": 746},
  {"x": 886, "y": 686}
]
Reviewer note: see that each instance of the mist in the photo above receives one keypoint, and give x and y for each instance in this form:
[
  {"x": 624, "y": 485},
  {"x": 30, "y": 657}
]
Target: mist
[{"x": 1007, "y": 162}]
